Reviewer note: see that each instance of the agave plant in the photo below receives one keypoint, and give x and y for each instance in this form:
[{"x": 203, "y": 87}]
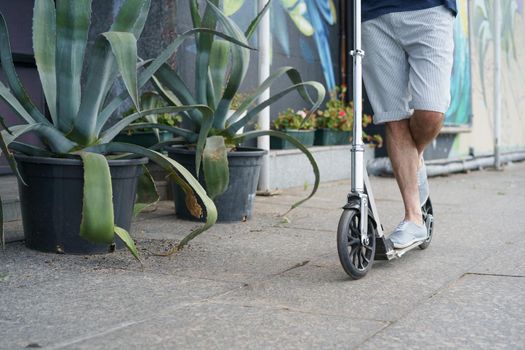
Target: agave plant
[
  {"x": 220, "y": 68},
  {"x": 78, "y": 115}
]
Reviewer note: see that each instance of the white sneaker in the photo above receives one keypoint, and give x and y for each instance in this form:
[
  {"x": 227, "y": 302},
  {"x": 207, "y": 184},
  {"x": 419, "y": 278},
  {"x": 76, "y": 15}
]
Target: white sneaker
[{"x": 408, "y": 233}]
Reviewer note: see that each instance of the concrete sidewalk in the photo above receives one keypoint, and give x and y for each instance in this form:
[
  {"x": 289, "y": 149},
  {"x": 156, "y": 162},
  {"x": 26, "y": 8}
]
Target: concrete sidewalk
[{"x": 274, "y": 283}]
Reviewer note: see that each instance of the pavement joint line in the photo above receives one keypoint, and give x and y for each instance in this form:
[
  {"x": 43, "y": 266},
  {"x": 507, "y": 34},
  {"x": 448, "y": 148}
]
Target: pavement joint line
[
  {"x": 261, "y": 280},
  {"x": 388, "y": 324},
  {"x": 295, "y": 266},
  {"x": 212, "y": 279},
  {"x": 292, "y": 309},
  {"x": 302, "y": 206},
  {"x": 301, "y": 228},
  {"x": 89, "y": 336},
  {"x": 492, "y": 275}
]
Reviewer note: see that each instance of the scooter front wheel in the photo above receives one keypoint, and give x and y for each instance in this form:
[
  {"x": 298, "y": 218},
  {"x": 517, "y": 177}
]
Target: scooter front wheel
[{"x": 356, "y": 258}]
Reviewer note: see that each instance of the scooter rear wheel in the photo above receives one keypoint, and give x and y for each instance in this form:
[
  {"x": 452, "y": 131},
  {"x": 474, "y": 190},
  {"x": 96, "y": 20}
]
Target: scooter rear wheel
[
  {"x": 356, "y": 258},
  {"x": 428, "y": 219}
]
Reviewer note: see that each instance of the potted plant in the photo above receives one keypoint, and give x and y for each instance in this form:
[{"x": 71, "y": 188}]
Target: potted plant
[
  {"x": 147, "y": 137},
  {"x": 229, "y": 171},
  {"x": 80, "y": 186},
  {"x": 293, "y": 124},
  {"x": 335, "y": 123}
]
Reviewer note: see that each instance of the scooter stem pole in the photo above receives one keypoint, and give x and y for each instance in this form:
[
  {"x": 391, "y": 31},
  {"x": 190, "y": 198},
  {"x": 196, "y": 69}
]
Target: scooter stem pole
[{"x": 358, "y": 149}]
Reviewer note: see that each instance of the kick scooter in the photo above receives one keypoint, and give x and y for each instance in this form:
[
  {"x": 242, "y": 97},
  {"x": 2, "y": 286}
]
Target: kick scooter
[{"x": 360, "y": 235}]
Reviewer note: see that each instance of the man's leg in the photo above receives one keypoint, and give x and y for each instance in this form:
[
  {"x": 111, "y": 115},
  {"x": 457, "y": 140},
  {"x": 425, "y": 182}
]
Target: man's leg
[
  {"x": 404, "y": 157},
  {"x": 424, "y": 127},
  {"x": 406, "y": 141}
]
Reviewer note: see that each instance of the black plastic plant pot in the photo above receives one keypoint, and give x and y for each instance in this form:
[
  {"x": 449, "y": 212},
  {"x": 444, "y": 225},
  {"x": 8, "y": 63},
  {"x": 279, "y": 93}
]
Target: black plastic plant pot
[
  {"x": 306, "y": 137},
  {"x": 329, "y": 137},
  {"x": 236, "y": 203},
  {"x": 51, "y": 202}
]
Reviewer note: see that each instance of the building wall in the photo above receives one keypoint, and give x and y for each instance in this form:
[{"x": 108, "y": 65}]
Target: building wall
[{"x": 512, "y": 79}]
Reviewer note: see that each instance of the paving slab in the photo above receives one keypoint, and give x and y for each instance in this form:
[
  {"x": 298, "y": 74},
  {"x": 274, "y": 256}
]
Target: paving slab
[
  {"x": 476, "y": 312},
  {"x": 269, "y": 282},
  {"x": 10, "y": 200},
  {"x": 162, "y": 223},
  {"x": 13, "y": 231},
  {"x": 72, "y": 304},
  {"x": 389, "y": 291},
  {"x": 509, "y": 260},
  {"x": 234, "y": 326}
]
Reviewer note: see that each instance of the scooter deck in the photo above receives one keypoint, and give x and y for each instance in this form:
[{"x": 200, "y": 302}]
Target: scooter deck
[{"x": 385, "y": 249}]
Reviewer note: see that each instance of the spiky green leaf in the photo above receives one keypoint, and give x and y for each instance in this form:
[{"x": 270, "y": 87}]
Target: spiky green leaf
[
  {"x": 152, "y": 100},
  {"x": 128, "y": 242},
  {"x": 17, "y": 90},
  {"x": 113, "y": 131},
  {"x": 10, "y": 158},
  {"x": 252, "y": 113},
  {"x": 102, "y": 70},
  {"x": 44, "y": 46},
  {"x": 204, "y": 43},
  {"x": 56, "y": 141},
  {"x": 2, "y": 236},
  {"x": 252, "y": 98},
  {"x": 169, "y": 84},
  {"x": 220, "y": 53},
  {"x": 253, "y": 25},
  {"x": 131, "y": 17},
  {"x": 147, "y": 194},
  {"x": 239, "y": 66},
  {"x": 30, "y": 150},
  {"x": 195, "y": 15},
  {"x": 179, "y": 174},
  {"x": 72, "y": 27},
  {"x": 146, "y": 75},
  {"x": 14, "y": 104},
  {"x": 98, "y": 221},
  {"x": 124, "y": 47},
  {"x": 215, "y": 166}
]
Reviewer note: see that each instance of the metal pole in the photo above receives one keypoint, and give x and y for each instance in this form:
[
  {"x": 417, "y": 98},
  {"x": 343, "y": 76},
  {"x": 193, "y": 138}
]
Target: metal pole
[
  {"x": 263, "y": 142},
  {"x": 358, "y": 148},
  {"x": 497, "y": 83}
]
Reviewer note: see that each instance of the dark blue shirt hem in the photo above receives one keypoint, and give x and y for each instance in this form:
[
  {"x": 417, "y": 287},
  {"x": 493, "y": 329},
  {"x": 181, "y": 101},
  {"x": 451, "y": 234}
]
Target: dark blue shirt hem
[{"x": 375, "y": 8}]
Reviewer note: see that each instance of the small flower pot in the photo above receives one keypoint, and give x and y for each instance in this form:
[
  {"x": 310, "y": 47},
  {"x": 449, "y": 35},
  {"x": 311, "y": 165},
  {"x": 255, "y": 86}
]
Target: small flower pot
[
  {"x": 306, "y": 137},
  {"x": 329, "y": 137}
]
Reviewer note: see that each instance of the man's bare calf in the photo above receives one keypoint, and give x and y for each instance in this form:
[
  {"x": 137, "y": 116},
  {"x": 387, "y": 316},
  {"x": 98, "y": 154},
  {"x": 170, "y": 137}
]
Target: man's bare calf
[{"x": 406, "y": 141}]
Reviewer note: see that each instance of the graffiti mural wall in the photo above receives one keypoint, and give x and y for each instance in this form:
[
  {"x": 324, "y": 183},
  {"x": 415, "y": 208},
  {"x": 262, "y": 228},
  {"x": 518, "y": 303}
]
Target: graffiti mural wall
[
  {"x": 480, "y": 140},
  {"x": 304, "y": 34},
  {"x": 472, "y": 86},
  {"x": 460, "y": 111}
]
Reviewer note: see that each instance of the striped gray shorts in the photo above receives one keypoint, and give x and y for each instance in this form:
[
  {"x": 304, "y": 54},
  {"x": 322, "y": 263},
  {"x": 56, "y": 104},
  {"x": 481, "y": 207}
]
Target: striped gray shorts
[{"x": 408, "y": 62}]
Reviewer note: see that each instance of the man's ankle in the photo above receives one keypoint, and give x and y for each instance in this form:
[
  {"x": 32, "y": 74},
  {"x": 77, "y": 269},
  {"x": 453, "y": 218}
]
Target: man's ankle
[{"x": 415, "y": 219}]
